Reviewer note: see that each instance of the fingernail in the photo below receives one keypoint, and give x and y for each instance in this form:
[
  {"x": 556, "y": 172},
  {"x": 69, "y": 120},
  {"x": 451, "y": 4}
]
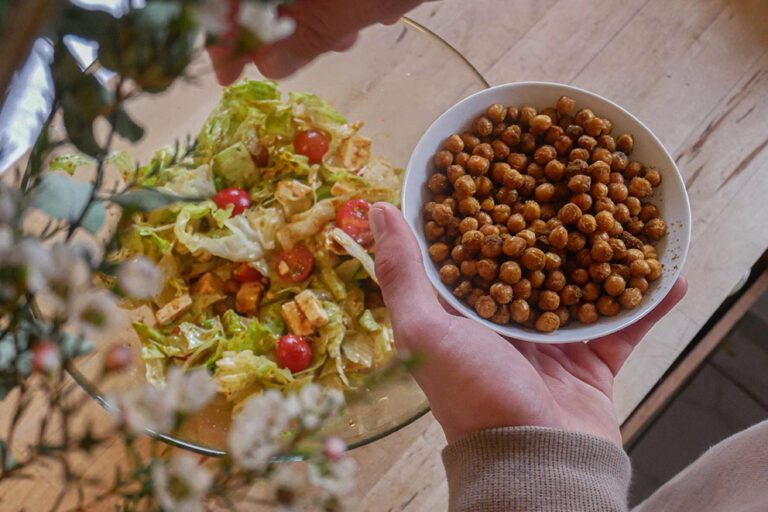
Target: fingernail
[{"x": 377, "y": 218}]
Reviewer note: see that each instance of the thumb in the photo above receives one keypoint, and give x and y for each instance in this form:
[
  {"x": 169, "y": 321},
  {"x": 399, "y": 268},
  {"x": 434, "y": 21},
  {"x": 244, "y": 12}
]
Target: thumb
[{"x": 413, "y": 306}]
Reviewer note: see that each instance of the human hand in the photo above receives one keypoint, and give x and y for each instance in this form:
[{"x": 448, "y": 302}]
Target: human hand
[
  {"x": 321, "y": 26},
  {"x": 474, "y": 378}
]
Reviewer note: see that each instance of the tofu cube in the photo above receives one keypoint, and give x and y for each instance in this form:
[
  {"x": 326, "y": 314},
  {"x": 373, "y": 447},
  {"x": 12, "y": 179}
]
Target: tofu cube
[
  {"x": 311, "y": 307},
  {"x": 173, "y": 309},
  {"x": 295, "y": 320},
  {"x": 209, "y": 284},
  {"x": 248, "y": 298},
  {"x": 355, "y": 152}
]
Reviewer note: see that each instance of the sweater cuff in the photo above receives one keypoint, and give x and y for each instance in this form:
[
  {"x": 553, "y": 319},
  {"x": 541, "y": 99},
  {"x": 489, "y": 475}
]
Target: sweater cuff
[{"x": 536, "y": 469}]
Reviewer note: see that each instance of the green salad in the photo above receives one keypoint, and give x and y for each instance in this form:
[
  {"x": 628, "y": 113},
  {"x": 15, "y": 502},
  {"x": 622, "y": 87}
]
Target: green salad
[{"x": 268, "y": 278}]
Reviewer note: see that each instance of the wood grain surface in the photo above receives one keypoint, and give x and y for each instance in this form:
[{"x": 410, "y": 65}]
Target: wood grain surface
[{"x": 696, "y": 72}]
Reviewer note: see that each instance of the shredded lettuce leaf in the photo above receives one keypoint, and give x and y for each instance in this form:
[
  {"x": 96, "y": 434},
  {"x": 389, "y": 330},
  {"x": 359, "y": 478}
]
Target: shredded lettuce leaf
[{"x": 241, "y": 374}]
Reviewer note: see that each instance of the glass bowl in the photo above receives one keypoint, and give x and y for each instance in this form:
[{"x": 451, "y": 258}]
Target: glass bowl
[{"x": 397, "y": 79}]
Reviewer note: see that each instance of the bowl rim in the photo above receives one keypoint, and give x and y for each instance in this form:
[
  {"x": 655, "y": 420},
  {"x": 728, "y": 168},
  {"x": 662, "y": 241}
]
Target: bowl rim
[{"x": 512, "y": 330}]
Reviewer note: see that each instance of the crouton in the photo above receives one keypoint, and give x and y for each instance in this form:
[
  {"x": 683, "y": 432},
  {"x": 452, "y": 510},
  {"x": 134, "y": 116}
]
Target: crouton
[
  {"x": 311, "y": 307},
  {"x": 248, "y": 298},
  {"x": 173, "y": 309},
  {"x": 295, "y": 320}
]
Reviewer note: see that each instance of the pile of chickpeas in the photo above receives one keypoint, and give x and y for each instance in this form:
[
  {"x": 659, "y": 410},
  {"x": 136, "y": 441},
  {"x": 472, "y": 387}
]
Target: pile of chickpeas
[{"x": 541, "y": 217}]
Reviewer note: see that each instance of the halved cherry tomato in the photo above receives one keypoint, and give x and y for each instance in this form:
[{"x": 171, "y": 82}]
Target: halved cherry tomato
[
  {"x": 293, "y": 352},
  {"x": 262, "y": 159},
  {"x": 352, "y": 218},
  {"x": 312, "y": 144},
  {"x": 245, "y": 273},
  {"x": 295, "y": 265},
  {"x": 239, "y": 198}
]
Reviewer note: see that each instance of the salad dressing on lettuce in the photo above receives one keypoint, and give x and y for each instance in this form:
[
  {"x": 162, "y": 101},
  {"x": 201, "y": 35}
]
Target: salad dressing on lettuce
[{"x": 268, "y": 275}]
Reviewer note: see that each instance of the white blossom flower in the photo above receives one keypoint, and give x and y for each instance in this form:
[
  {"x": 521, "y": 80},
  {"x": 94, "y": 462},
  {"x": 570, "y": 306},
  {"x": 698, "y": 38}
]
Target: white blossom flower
[
  {"x": 190, "y": 391},
  {"x": 145, "y": 408},
  {"x": 36, "y": 260},
  {"x": 212, "y": 16},
  {"x": 256, "y": 432},
  {"x": 336, "y": 478},
  {"x": 263, "y": 21},
  {"x": 68, "y": 275},
  {"x": 140, "y": 278},
  {"x": 95, "y": 312},
  {"x": 334, "y": 448},
  {"x": 317, "y": 404},
  {"x": 181, "y": 485},
  {"x": 6, "y": 239},
  {"x": 293, "y": 492}
]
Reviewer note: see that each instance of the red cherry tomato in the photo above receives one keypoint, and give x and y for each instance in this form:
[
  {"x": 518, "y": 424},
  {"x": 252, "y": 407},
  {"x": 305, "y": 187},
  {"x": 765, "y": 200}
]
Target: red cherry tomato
[
  {"x": 312, "y": 144},
  {"x": 352, "y": 218},
  {"x": 245, "y": 273},
  {"x": 295, "y": 265},
  {"x": 239, "y": 198},
  {"x": 262, "y": 159},
  {"x": 293, "y": 352}
]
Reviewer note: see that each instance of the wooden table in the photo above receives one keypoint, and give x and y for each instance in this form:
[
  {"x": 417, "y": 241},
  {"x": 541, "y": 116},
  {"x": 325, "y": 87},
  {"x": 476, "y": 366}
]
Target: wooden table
[{"x": 696, "y": 72}]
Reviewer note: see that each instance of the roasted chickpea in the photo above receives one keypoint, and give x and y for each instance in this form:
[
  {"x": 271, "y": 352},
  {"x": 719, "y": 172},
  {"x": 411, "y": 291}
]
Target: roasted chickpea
[
  {"x": 501, "y": 293},
  {"x": 633, "y": 169},
  {"x": 640, "y": 283},
  {"x": 639, "y": 268},
  {"x": 607, "y": 142},
  {"x": 465, "y": 186},
  {"x": 619, "y": 161},
  {"x": 461, "y": 159},
  {"x": 621, "y": 214},
  {"x": 587, "y": 142},
  {"x": 490, "y": 230},
  {"x": 529, "y": 237},
  {"x": 536, "y": 277},
  {"x": 548, "y": 212},
  {"x": 522, "y": 288},
  {"x": 614, "y": 285},
  {"x": 513, "y": 114},
  {"x": 484, "y": 150},
  {"x": 516, "y": 223},
  {"x": 470, "y": 140},
  {"x": 618, "y": 192},
  {"x": 483, "y": 218},
  {"x": 570, "y": 295},
  {"x": 454, "y": 144},
  {"x": 563, "y": 145},
  {"x": 599, "y": 272},
  {"x": 468, "y": 206},
  {"x": 472, "y": 241},
  {"x": 442, "y": 214},
  {"x": 501, "y": 316},
  {"x": 616, "y": 177},
  {"x": 549, "y": 300},
  {"x": 619, "y": 248},
  {"x": 564, "y": 315},
  {"x": 601, "y": 155},
  {"x": 655, "y": 229},
  {"x": 653, "y": 176},
  {"x": 527, "y": 114},
  {"x": 607, "y": 126},
  {"x": 631, "y": 298},
  {"x": 583, "y": 201},
  {"x": 605, "y": 220},
  {"x": 487, "y": 269},
  {"x": 438, "y": 252},
  {"x": 484, "y": 186},
  {"x": 574, "y": 131},
  {"x": 500, "y": 150},
  {"x": 481, "y": 283},
  {"x": 601, "y": 252},
  {"x": 553, "y": 261},
  {"x": 531, "y": 211},
  {"x": 583, "y": 117},
  {"x": 477, "y": 165},
  {"x": 575, "y": 167},
  {"x": 544, "y": 192},
  {"x": 635, "y": 226},
  {"x": 459, "y": 253},
  {"x": 625, "y": 143},
  {"x": 438, "y": 183},
  {"x": 507, "y": 196},
  {"x": 483, "y": 126},
  {"x": 545, "y": 154},
  {"x": 468, "y": 268},
  {"x": 449, "y": 273},
  {"x": 452, "y": 229},
  {"x": 591, "y": 292},
  {"x": 656, "y": 269},
  {"x": 579, "y": 154},
  {"x": 555, "y": 281},
  {"x": 540, "y": 124},
  {"x": 485, "y": 306},
  {"x": 491, "y": 246},
  {"x": 586, "y": 313},
  {"x": 634, "y": 205},
  {"x": 487, "y": 204},
  {"x": 433, "y": 231},
  {"x": 519, "y": 310},
  {"x": 604, "y": 204},
  {"x": 463, "y": 289},
  {"x": 594, "y": 127},
  {"x": 649, "y": 252},
  {"x": 607, "y": 306},
  {"x": 576, "y": 241},
  {"x": 599, "y": 191},
  {"x": 552, "y": 134},
  {"x": 533, "y": 259},
  {"x": 587, "y": 224},
  {"x": 580, "y": 276},
  {"x": 455, "y": 172},
  {"x": 600, "y": 173},
  {"x": 527, "y": 143},
  {"x": 584, "y": 258},
  {"x": 569, "y": 214},
  {"x": 518, "y": 162},
  {"x": 580, "y": 183},
  {"x": 511, "y": 136},
  {"x": 496, "y": 113},
  {"x": 634, "y": 254},
  {"x": 648, "y": 212},
  {"x": 565, "y": 106},
  {"x": 640, "y": 187},
  {"x": 535, "y": 170},
  {"x": 539, "y": 227},
  {"x": 621, "y": 270},
  {"x": 599, "y": 236},
  {"x": 558, "y": 237},
  {"x": 443, "y": 159}
]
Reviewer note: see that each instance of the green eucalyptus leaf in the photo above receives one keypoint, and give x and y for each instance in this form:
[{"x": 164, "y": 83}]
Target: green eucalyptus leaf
[
  {"x": 62, "y": 197},
  {"x": 127, "y": 127},
  {"x": 70, "y": 162},
  {"x": 145, "y": 199},
  {"x": 72, "y": 346}
]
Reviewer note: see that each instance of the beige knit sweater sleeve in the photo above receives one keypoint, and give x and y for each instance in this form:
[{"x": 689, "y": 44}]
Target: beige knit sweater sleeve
[{"x": 536, "y": 469}]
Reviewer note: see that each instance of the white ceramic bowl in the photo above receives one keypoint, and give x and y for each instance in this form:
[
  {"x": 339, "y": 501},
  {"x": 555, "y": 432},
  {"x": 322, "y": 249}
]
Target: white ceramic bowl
[{"x": 670, "y": 197}]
